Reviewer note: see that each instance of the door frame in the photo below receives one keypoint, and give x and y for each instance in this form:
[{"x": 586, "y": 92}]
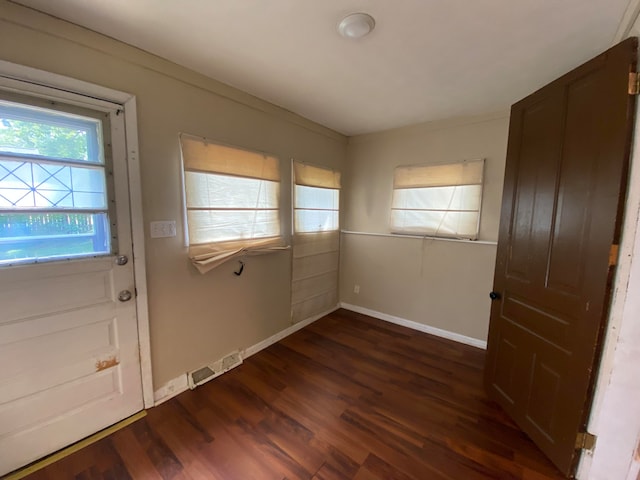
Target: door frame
[
  {"x": 27, "y": 80},
  {"x": 617, "y": 450}
]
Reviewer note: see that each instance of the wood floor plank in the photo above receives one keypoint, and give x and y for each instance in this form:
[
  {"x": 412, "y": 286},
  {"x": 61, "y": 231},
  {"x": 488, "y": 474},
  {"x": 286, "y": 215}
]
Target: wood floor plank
[
  {"x": 183, "y": 439},
  {"x": 348, "y": 397},
  {"x": 133, "y": 456},
  {"x": 160, "y": 455}
]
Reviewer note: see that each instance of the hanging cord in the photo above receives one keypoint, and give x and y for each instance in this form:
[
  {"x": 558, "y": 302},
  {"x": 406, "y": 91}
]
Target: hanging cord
[{"x": 422, "y": 248}]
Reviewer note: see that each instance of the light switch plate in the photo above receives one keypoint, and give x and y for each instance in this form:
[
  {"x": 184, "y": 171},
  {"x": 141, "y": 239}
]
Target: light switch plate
[{"x": 162, "y": 229}]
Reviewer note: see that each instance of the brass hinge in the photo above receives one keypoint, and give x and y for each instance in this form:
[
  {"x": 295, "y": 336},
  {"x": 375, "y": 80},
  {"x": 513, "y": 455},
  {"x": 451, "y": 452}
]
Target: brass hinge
[
  {"x": 613, "y": 255},
  {"x": 634, "y": 83},
  {"x": 585, "y": 441}
]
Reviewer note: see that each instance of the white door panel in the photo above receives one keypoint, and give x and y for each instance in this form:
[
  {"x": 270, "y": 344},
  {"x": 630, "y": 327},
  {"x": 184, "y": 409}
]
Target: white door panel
[
  {"x": 34, "y": 410},
  {"x": 58, "y": 288},
  {"x": 69, "y": 354},
  {"x": 32, "y": 441}
]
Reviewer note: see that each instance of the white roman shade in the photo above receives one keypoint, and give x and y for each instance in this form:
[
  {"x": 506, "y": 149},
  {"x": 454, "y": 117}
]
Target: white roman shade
[
  {"x": 232, "y": 199},
  {"x": 438, "y": 200},
  {"x": 316, "y": 240}
]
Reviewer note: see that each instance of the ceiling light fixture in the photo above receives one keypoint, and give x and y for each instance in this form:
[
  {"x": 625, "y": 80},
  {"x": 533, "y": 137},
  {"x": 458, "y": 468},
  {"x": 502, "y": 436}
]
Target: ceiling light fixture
[{"x": 356, "y": 25}]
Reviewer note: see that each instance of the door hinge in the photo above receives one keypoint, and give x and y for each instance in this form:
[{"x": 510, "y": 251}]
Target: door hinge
[
  {"x": 585, "y": 441},
  {"x": 634, "y": 83},
  {"x": 613, "y": 255}
]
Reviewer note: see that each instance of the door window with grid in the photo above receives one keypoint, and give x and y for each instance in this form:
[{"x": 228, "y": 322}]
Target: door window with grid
[{"x": 53, "y": 184}]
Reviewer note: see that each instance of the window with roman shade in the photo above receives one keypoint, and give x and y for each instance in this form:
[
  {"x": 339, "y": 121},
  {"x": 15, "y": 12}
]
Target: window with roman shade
[
  {"x": 316, "y": 240},
  {"x": 441, "y": 200},
  {"x": 232, "y": 199}
]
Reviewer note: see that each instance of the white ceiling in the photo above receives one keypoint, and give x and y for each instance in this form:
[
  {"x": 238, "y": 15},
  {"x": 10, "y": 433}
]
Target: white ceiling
[{"x": 425, "y": 60}]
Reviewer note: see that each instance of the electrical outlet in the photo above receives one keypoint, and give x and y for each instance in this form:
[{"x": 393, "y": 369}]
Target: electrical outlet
[
  {"x": 356, "y": 289},
  {"x": 162, "y": 229}
]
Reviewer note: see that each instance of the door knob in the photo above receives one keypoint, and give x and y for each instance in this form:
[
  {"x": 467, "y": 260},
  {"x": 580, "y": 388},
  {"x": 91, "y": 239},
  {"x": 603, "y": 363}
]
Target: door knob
[
  {"x": 124, "y": 296},
  {"x": 494, "y": 295},
  {"x": 122, "y": 260}
]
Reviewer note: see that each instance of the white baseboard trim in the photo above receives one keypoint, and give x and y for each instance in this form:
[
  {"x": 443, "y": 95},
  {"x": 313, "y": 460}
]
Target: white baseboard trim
[
  {"x": 284, "y": 333},
  {"x": 170, "y": 389},
  {"x": 421, "y": 327},
  {"x": 180, "y": 384}
]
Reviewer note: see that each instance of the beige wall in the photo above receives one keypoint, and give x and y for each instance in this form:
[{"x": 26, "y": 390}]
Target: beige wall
[
  {"x": 193, "y": 318},
  {"x": 442, "y": 284}
]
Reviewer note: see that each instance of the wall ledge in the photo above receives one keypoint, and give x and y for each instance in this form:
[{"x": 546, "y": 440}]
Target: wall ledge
[
  {"x": 421, "y": 327},
  {"x": 419, "y": 237}
]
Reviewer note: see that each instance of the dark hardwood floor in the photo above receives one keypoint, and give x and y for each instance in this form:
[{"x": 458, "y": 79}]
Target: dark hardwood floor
[{"x": 348, "y": 397}]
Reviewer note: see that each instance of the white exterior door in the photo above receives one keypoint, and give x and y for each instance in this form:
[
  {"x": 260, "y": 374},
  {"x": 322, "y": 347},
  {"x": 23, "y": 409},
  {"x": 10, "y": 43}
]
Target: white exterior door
[{"x": 69, "y": 352}]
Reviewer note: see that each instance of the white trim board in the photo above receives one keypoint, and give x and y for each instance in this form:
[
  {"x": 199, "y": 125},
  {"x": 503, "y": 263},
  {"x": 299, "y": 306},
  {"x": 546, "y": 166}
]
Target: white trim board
[
  {"x": 421, "y": 327},
  {"x": 180, "y": 384},
  {"x": 246, "y": 353},
  {"x": 172, "y": 388},
  {"x": 137, "y": 234}
]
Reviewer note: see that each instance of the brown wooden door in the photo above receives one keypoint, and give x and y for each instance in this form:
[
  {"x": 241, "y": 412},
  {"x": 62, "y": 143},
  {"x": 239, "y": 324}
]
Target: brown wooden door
[{"x": 564, "y": 190}]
